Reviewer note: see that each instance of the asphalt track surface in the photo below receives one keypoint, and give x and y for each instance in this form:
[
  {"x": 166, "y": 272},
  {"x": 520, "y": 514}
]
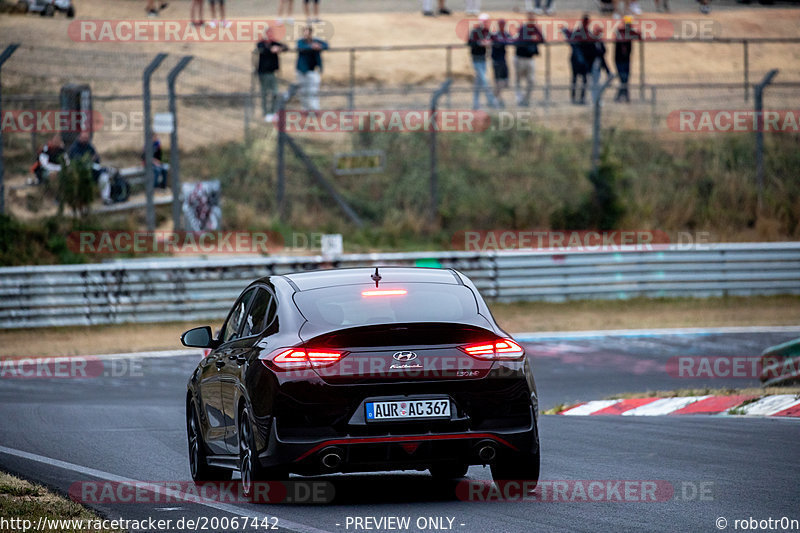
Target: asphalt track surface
[{"x": 59, "y": 432}]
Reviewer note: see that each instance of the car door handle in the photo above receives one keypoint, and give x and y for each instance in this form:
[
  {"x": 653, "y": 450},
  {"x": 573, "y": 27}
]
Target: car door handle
[{"x": 220, "y": 363}]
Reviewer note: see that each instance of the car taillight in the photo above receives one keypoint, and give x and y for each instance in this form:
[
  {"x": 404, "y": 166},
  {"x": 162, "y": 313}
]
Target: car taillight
[
  {"x": 302, "y": 358},
  {"x": 498, "y": 349}
]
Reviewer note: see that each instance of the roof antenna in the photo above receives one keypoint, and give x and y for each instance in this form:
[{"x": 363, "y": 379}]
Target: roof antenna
[{"x": 376, "y": 277}]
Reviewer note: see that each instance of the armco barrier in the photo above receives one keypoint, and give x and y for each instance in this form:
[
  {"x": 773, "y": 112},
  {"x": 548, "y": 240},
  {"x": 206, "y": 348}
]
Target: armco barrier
[
  {"x": 197, "y": 289},
  {"x": 781, "y": 364}
]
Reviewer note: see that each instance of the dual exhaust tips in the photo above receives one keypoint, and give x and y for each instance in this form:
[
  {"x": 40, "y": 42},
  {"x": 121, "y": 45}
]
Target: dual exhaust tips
[{"x": 332, "y": 457}]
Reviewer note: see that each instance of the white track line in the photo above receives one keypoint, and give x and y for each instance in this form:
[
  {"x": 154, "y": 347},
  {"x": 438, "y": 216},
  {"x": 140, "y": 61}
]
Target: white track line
[{"x": 282, "y": 523}]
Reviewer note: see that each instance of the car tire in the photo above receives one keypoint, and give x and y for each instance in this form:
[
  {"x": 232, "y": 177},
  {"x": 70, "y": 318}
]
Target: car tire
[
  {"x": 250, "y": 467},
  {"x": 449, "y": 470},
  {"x": 517, "y": 467},
  {"x": 198, "y": 464}
]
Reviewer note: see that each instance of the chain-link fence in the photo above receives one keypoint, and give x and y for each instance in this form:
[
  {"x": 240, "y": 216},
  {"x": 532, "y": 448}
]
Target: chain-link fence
[{"x": 218, "y": 97}]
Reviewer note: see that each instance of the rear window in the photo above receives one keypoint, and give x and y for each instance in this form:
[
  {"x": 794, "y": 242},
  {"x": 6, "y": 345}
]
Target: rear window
[{"x": 360, "y": 305}]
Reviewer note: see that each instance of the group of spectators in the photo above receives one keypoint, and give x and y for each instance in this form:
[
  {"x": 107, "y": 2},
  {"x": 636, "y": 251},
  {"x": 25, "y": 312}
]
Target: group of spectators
[
  {"x": 587, "y": 56},
  {"x": 308, "y": 70},
  {"x": 53, "y": 157}
]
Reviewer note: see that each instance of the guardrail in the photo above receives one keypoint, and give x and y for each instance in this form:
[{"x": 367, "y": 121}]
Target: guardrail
[
  {"x": 780, "y": 365},
  {"x": 197, "y": 289}
]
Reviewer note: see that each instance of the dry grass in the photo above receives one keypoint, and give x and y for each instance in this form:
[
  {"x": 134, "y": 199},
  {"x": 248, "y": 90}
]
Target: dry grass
[
  {"x": 20, "y": 499},
  {"x": 532, "y": 316}
]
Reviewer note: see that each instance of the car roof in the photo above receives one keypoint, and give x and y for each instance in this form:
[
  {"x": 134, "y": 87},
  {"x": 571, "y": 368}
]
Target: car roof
[{"x": 317, "y": 279}]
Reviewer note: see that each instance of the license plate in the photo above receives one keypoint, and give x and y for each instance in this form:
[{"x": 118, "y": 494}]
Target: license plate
[{"x": 408, "y": 409}]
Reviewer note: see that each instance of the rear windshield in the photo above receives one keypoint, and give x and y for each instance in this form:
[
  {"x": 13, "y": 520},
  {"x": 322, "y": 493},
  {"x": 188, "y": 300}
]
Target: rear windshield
[{"x": 360, "y": 305}]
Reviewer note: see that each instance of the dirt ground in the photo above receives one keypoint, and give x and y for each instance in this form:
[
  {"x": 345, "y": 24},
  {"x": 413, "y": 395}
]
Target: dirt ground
[{"x": 515, "y": 318}]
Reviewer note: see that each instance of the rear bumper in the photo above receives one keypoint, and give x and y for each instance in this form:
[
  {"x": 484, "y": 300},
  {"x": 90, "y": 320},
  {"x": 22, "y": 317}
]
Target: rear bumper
[{"x": 397, "y": 452}]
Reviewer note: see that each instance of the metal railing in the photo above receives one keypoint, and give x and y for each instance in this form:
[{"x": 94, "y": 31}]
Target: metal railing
[{"x": 197, "y": 289}]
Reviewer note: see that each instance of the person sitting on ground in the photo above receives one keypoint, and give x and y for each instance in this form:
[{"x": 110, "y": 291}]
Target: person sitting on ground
[
  {"x": 49, "y": 159},
  {"x": 82, "y": 148},
  {"x": 159, "y": 169}
]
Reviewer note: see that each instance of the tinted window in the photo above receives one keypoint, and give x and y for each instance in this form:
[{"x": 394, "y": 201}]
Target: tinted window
[
  {"x": 236, "y": 318},
  {"x": 254, "y": 323},
  {"x": 270, "y": 321},
  {"x": 421, "y": 302}
]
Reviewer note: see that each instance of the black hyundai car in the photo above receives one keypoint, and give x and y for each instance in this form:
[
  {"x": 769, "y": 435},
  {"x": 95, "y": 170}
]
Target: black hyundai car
[{"x": 360, "y": 369}]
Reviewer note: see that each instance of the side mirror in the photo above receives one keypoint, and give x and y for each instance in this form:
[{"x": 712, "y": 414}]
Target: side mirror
[{"x": 198, "y": 338}]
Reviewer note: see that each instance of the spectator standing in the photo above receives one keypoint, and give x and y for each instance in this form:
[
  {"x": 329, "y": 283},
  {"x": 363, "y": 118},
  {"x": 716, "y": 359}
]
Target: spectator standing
[
  {"x": 623, "y": 46},
  {"x": 214, "y": 20},
  {"x": 307, "y": 10},
  {"x": 500, "y": 39},
  {"x": 479, "y": 43},
  {"x": 268, "y": 65},
  {"x": 196, "y": 12},
  {"x": 309, "y": 68},
  {"x": 427, "y": 8},
  {"x": 285, "y": 8},
  {"x": 527, "y": 48},
  {"x": 598, "y": 64},
  {"x": 581, "y": 58}
]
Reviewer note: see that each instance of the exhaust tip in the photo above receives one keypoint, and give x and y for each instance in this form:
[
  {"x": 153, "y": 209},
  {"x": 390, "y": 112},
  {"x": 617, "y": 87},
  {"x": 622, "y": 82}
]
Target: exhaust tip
[
  {"x": 486, "y": 451},
  {"x": 331, "y": 458}
]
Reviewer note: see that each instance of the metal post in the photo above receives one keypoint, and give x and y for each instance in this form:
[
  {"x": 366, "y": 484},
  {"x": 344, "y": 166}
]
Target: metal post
[
  {"x": 351, "y": 98},
  {"x": 641, "y": 69},
  {"x": 174, "y": 162},
  {"x": 746, "y": 70},
  {"x": 434, "y": 184},
  {"x": 598, "y": 101},
  {"x": 148, "y": 139},
  {"x": 547, "y": 71},
  {"x": 280, "y": 159},
  {"x": 759, "y": 111},
  {"x": 449, "y": 72},
  {"x": 3, "y": 57}
]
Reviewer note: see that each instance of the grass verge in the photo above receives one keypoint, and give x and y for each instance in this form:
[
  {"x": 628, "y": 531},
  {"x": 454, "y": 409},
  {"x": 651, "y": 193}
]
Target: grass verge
[{"x": 25, "y": 501}]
